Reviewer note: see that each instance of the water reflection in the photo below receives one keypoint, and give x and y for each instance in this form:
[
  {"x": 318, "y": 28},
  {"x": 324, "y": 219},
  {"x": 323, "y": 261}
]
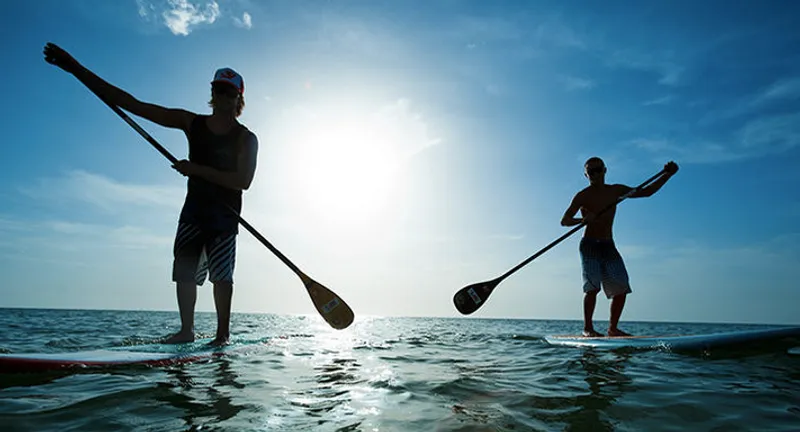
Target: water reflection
[
  {"x": 203, "y": 393},
  {"x": 330, "y": 389},
  {"x": 607, "y": 381}
]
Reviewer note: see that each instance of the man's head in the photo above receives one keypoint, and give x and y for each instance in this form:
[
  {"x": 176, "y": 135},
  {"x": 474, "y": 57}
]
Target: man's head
[
  {"x": 227, "y": 91},
  {"x": 595, "y": 170}
]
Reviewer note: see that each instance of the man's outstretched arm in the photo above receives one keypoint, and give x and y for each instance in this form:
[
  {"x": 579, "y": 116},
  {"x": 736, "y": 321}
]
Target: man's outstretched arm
[
  {"x": 167, "y": 117},
  {"x": 670, "y": 169}
]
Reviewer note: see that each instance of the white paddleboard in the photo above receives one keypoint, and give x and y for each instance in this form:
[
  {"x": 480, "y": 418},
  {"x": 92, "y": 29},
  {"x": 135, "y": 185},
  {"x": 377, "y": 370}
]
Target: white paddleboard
[
  {"x": 165, "y": 355},
  {"x": 675, "y": 342},
  {"x": 794, "y": 351}
]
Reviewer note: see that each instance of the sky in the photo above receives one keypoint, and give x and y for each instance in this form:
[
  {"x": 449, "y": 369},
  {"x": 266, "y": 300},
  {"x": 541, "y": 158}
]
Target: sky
[{"x": 410, "y": 148}]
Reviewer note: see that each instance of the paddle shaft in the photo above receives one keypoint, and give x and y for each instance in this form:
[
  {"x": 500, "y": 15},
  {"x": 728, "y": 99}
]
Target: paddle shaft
[
  {"x": 174, "y": 160},
  {"x": 579, "y": 226}
]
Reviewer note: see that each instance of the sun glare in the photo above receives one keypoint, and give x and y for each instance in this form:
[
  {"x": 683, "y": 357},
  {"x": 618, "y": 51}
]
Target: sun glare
[{"x": 349, "y": 168}]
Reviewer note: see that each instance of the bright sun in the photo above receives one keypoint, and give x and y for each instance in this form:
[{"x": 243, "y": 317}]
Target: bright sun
[{"x": 349, "y": 168}]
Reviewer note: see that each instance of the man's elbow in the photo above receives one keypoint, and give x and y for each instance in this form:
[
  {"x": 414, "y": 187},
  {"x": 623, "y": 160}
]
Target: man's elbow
[{"x": 244, "y": 184}]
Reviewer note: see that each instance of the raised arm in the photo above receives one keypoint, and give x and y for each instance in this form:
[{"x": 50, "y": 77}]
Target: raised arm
[
  {"x": 167, "y": 117},
  {"x": 670, "y": 169}
]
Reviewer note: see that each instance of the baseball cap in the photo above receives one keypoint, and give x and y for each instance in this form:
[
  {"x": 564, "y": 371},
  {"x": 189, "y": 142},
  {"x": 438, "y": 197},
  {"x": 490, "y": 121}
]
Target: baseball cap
[{"x": 230, "y": 76}]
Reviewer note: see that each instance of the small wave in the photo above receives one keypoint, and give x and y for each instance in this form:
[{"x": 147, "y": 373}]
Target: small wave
[
  {"x": 70, "y": 342},
  {"x": 388, "y": 384}
]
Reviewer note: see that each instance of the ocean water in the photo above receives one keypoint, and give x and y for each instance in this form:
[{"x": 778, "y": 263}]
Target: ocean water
[{"x": 392, "y": 374}]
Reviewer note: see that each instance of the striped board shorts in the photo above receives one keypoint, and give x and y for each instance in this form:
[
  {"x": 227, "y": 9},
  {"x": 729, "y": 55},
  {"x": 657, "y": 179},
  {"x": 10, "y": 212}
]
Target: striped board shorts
[
  {"x": 199, "y": 253},
  {"x": 603, "y": 266}
]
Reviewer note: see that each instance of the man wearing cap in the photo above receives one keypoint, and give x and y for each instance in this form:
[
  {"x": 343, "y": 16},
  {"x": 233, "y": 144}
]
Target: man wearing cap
[{"x": 221, "y": 164}]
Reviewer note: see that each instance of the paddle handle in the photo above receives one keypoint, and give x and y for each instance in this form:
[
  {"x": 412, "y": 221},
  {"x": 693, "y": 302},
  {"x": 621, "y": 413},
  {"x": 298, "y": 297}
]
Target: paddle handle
[
  {"x": 579, "y": 226},
  {"x": 174, "y": 160}
]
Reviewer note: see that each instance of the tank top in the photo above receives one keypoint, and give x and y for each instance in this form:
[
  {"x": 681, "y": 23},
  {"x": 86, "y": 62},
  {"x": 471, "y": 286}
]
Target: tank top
[{"x": 205, "y": 203}]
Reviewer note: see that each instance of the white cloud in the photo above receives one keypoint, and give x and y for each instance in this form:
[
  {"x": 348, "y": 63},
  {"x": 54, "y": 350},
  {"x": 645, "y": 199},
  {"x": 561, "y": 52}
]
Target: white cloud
[
  {"x": 374, "y": 37},
  {"x": 781, "y": 90},
  {"x": 507, "y": 237},
  {"x": 184, "y": 15},
  {"x": 245, "y": 22},
  {"x": 762, "y": 136},
  {"x": 64, "y": 235},
  {"x": 669, "y": 70},
  {"x": 410, "y": 129},
  {"x": 180, "y": 16},
  {"x": 559, "y": 34},
  {"x": 145, "y": 9},
  {"x": 133, "y": 217},
  {"x": 488, "y": 29},
  {"x": 103, "y": 193},
  {"x": 770, "y": 135},
  {"x": 572, "y": 83},
  {"x": 126, "y": 236},
  {"x": 664, "y": 100}
]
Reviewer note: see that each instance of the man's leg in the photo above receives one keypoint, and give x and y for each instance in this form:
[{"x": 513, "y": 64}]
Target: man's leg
[
  {"x": 617, "y": 304},
  {"x": 589, "y": 302},
  {"x": 617, "y": 287},
  {"x": 591, "y": 270},
  {"x": 187, "y": 297},
  {"x": 188, "y": 265},
  {"x": 222, "y": 260},
  {"x": 223, "y": 296}
]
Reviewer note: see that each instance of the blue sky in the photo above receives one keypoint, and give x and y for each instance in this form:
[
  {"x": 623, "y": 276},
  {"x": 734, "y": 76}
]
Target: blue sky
[{"x": 411, "y": 148}]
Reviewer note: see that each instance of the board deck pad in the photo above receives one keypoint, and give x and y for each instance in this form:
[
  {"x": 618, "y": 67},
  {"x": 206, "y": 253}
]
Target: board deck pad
[
  {"x": 676, "y": 342},
  {"x": 146, "y": 355}
]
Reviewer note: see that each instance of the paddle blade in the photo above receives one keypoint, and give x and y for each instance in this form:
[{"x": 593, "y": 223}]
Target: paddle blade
[
  {"x": 472, "y": 297},
  {"x": 332, "y": 308}
]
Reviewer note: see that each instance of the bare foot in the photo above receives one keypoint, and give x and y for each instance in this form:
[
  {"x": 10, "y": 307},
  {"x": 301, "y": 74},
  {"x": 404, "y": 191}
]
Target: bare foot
[
  {"x": 219, "y": 341},
  {"x": 179, "y": 337},
  {"x": 591, "y": 333},
  {"x": 617, "y": 333}
]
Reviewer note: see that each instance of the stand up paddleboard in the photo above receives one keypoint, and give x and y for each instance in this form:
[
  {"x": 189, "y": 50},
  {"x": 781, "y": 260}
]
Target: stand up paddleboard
[
  {"x": 147, "y": 355},
  {"x": 676, "y": 342},
  {"x": 794, "y": 351}
]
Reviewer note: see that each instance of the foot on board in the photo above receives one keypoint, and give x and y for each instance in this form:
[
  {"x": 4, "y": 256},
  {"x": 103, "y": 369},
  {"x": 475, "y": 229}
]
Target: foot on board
[
  {"x": 617, "y": 333},
  {"x": 179, "y": 338},
  {"x": 219, "y": 342}
]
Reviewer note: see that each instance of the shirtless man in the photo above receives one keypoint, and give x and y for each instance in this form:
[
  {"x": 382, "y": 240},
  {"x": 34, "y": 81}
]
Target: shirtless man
[{"x": 600, "y": 261}]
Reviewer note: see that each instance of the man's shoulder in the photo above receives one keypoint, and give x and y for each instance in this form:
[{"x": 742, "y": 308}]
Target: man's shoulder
[
  {"x": 582, "y": 193},
  {"x": 248, "y": 136}
]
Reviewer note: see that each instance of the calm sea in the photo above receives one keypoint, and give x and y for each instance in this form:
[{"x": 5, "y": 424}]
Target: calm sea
[{"x": 391, "y": 374}]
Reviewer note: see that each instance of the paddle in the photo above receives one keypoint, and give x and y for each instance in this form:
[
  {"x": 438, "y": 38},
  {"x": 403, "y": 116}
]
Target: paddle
[
  {"x": 332, "y": 308},
  {"x": 470, "y": 298}
]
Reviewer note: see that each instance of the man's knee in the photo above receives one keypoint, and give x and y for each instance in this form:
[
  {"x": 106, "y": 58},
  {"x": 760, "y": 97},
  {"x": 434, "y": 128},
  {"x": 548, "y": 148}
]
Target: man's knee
[
  {"x": 223, "y": 285},
  {"x": 186, "y": 285}
]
